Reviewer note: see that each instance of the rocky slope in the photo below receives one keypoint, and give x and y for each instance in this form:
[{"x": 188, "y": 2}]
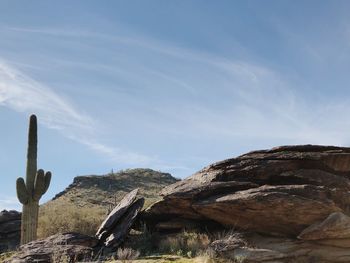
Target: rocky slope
[
  {"x": 288, "y": 202},
  {"x": 10, "y": 230},
  {"x": 107, "y": 190}
]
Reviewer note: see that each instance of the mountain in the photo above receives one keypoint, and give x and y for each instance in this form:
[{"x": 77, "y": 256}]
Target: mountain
[{"x": 106, "y": 190}]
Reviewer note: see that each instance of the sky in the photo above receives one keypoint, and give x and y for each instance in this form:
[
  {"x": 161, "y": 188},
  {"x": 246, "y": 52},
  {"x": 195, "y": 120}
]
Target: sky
[{"x": 168, "y": 85}]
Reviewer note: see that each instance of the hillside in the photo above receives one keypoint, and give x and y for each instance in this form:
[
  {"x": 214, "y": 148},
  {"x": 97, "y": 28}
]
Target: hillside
[
  {"x": 104, "y": 190},
  {"x": 88, "y": 199}
]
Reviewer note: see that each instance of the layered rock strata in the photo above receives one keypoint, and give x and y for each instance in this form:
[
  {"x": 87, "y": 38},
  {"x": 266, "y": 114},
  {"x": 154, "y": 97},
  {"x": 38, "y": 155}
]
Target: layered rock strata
[{"x": 295, "y": 199}]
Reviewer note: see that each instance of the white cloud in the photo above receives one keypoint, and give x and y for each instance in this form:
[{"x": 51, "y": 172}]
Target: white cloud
[
  {"x": 118, "y": 155},
  {"x": 21, "y": 93},
  {"x": 253, "y": 101}
]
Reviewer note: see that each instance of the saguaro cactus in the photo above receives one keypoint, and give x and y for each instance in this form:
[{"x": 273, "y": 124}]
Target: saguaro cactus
[{"x": 36, "y": 184}]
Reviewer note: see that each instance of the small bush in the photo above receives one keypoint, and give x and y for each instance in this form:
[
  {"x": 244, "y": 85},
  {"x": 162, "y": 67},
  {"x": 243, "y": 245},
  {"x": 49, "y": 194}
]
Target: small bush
[
  {"x": 239, "y": 259},
  {"x": 225, "y": 234},
  {"x": 127, "y": 254},
  {"x": 188, "y": 244},
  {"x": 145, "y": 241}
]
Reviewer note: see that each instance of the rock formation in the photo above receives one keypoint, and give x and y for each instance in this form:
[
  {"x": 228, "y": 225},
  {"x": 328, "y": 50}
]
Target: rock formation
[
  {"x": 118, "y": 223},
  {"x": 258, "y": 248},
  {"x": 68, "y": 247},
  {"x": 292, "y": 200},
  {"x": 10, "y": 230}
]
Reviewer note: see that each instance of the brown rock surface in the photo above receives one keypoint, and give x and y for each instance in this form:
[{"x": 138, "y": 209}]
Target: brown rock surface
[
  {"x": 123, "y": 227},
  {"x": 274, "y": 196},
  {"x": 118, "y": 223},
  {"x": 57, "y": 248},
  {"x": 175, "y": 224},
  {"x": 114, "y": 216},
  {"x": 257, "y": 248},
  {"x": 277, "y": 210},
  {"x": 335, "y": 226},
  {"x": 277, "y": 192}
]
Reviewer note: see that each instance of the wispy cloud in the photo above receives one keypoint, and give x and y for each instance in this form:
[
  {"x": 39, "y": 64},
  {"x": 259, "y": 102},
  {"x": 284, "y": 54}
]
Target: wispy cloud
[
  {"x": 21, "y": 93},
  {"x": 196, "y": 93},
  {"x": 48, "y": 31},
  {"x": 119, "y": 155}
]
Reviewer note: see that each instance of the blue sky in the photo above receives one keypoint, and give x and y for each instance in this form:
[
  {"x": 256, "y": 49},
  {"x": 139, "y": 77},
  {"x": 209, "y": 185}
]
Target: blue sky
[{"x": 170, "y": 85}]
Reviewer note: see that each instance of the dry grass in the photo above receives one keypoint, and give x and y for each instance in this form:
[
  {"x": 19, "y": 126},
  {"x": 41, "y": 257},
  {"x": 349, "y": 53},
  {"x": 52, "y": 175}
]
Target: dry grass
[
  {"x": 60, "y": 217},
  {"x": 6, "y": 256},
  {"x": 168, "y": 259},
  {"x": 126, "y": 255},
  {"x": 189, "y": 244},
  {"x": 224, "y": 234},
  {"x": 186, "y": 244}
]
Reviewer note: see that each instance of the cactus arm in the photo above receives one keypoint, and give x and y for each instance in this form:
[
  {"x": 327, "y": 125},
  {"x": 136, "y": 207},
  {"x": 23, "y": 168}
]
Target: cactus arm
[
  {"x": 22, "y": 193},
  {"x": 42, "y": 182},
  {"x": 39, "y": 185},
  {"x": 47, "y": 181}
]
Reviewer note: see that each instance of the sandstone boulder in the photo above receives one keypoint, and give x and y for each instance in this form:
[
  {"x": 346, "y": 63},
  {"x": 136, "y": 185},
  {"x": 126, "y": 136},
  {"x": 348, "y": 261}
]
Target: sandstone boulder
[
  {"x": 292, "y": 203},
  {"x": 335, "y": 226},
  {"x": 123, "y": 227},
  {"x": 275, "y": 210},
  {"x": 257, "y": 248},
  {"x": 277, "y": 192},
  {"x": 117, "y": 225},
  {"x": 114, "y": 216}
]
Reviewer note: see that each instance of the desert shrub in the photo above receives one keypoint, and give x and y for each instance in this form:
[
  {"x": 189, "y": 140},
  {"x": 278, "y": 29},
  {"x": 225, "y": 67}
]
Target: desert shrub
[
  {"x": 144, "y": 241},
  {"x": 239, "y": 259},
  {"x": 188, "y": 244},
  {"x": 224, "y": 234},
  {"x": 64, "y": 216},
  {"x": 5, "y": 256},
  {"x": 127, "y": 254},
  {"x": 230, "y": 235}
]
